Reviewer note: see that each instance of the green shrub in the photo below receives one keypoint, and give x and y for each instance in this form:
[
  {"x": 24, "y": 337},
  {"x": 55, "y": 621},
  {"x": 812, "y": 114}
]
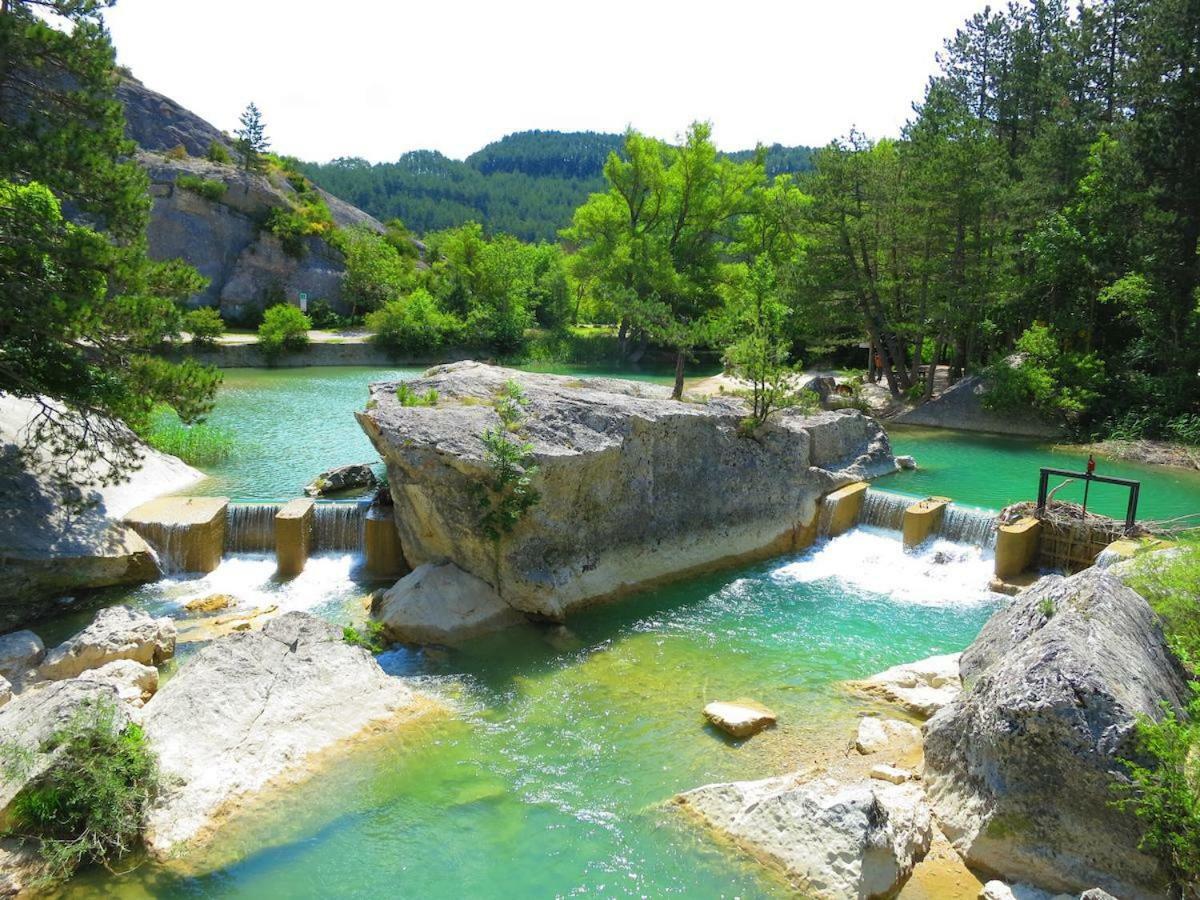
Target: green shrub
[
  {"x": 1185, "y": 428},
  {"x": 217, "y": 153},
  {"x": 1170, "y": 582},
  {"x": 508, "y": 492},
  {"x": 284, "y": 328},
  {"x": 177, "y": 152},
  {"x": 291, "y": 229},
  {"x": 1058, "y": 384},
  {"x": 413, "y": 324},
  {"x": 370, "y": 638},
  {"x": 197, "y": 445},
  {"x": 204, "y": 324},
  {"x": 207, "y": 188},
  {"x": 408, "y": 397},
  {"x": 88, "y": 807},
  {"x": 573, "y": 345},
  {"x": 322, "y": 315}
]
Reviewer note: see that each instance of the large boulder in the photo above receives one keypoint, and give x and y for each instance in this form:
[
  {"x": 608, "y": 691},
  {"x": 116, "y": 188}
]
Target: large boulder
[
  {"x": 1021, "y": 766},
  {"x": 960, "y": 406},
  {"x": 439, "y": 604},
  {"x": 257, "y": 708},
  {"x": 117, "y": 633},
  {"x": 59, "y": 531},
  {"x": 834, "y": 841},
  {"x": 20, "y": 651},
  {"x": 634, "y": 487},
  {"x": 341, "y": 478}
]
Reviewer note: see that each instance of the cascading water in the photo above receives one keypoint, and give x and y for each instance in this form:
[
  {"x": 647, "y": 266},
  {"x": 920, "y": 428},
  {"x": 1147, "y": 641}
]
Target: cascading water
[
  {"x": 251, "y": 527},
  {"x": 883, "y": 509},
  {"x": 968, "y": 525},
  {"x": 168, "y": 541},
  {"x": 339, "y": 526}
]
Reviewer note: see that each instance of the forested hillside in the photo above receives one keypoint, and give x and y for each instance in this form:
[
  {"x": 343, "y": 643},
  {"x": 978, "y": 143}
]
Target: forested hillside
[{"x": 526, "y": 184}]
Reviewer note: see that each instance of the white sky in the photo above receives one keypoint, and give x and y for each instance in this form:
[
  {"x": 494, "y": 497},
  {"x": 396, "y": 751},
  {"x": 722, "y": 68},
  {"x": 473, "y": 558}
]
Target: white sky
[{"x": 375, "y": 79}]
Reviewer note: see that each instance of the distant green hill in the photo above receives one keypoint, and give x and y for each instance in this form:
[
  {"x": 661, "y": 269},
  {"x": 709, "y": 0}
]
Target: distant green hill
[{"x": 527, "y": 184}]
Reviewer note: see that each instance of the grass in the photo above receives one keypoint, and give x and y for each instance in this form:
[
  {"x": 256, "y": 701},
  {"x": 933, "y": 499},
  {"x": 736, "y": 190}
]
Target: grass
[
  {"x": 197, "y": 445},
  {"x": 408, "y": 397},
  {"x": 370, "y": 638}
]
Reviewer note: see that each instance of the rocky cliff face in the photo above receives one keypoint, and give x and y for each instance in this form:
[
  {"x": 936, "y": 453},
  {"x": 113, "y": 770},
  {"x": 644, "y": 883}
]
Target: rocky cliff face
[
  {"x": 634, "y": 487},
  {"x": 1020, "y": 767},
  {"x": 223, "y": 238}
]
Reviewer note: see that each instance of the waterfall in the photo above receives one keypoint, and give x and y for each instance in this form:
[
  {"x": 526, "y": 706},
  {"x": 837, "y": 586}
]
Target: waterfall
[
  {"x": 883, "y": 509},
  {"x": 251, "y": 528},
  {"x": 968, "y": 525},
  {"x": 170, "y": 546},
  {"x": 339, "y": 526}
]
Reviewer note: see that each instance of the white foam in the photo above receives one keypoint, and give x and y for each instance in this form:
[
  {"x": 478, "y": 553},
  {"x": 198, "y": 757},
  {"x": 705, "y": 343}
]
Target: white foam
[{"x": 939, "y": 573}]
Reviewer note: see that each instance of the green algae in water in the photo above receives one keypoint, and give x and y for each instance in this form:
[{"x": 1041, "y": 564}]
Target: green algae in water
[{"x": 555, "y": 778}]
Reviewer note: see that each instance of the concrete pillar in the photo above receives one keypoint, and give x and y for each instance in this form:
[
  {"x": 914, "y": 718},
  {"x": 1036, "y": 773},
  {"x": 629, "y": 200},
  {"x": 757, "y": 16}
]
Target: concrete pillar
[
  {"x": 1017, "y": 547},
  {"x": 382, "y": 545},
  {"x": 188, "y": 533},
  {"x": 922, "y": 519},
  {"x": 840, "y": 509},
  {"x": 293, "y": 536}
]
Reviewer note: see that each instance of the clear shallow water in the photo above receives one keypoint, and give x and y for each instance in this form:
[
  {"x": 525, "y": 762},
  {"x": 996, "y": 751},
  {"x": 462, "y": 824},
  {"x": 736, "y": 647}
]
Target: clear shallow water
[
  {"x": 993, "y": 471},
  {"x": 552, "y": 781}
]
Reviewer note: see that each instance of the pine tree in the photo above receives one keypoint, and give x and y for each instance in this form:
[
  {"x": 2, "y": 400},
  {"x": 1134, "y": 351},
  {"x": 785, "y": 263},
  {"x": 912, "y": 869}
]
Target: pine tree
[{"x": 252, "y": 138}]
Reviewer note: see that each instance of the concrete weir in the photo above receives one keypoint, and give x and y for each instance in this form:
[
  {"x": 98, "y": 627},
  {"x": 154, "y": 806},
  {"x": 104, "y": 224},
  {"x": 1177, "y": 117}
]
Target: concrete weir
[
  {"x": 188, "y": 533},
  {"x": 293, "y": 536}
]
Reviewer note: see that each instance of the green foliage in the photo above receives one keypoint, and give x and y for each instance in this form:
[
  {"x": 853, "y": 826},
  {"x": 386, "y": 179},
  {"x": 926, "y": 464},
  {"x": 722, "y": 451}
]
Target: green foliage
[
  {"x": 1057, "y": 383},
  {"x": 197, "y": 444},
  {"x": 252, "y": 141},
  {"x": 573, "y": 345},
  {"x": 89, "y": 805},
  {"x": 408, "y": 397},
  {"x": 217, "y": 153},
  {"x": 371, "y": 637},
  {"x": 375, "y": 271},
  {"x": 1171, "y": 584},
  {"x": 178, "y": 152},
  {"x": 284, "y": 328},
  {"x": 508, "y": 492},
  {"x": 204, "y": 324},
  {"x": 413, "y": 324},
  {"x": 1046, "y": 607},
  {"x": 84, "y": 319},
  {"x": 207, "y": 188}
]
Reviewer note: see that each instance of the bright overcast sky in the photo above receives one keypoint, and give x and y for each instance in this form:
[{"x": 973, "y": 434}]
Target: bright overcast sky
[{"x": 375, "y": 79}]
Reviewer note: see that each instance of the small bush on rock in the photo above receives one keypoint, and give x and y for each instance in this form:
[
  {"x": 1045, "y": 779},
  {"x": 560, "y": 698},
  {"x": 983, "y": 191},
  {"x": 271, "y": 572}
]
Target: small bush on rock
[
  {"x": 508, "y": 493},
  {"x": 370, "y": 637},
  {"x": 88, "y": 807},
  {"x": 284, "y": 328},
  {"x": 218, "y": 154},
  {"x": 408, "y": 397},
  {"x": 209, "y": 189}
]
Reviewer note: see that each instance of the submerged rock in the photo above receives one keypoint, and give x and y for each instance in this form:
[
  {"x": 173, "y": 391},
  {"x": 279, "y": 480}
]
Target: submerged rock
[
  {"x": 211, "y": 603},
  {"x": 834, "y": 841},
  {"x": 1020, "y": 767},
  {"x": 116, "y": 633},
  {"x": 20, "y": 652},
  {"x": 438, "y": 604},
  {"x": 634, "y": 487},
  {"x": 740, "y": 718},
  {"x": 258, "y": 708},
  {"x": 921, "y": 688},
  {"x": 876, "y": 734},
  {"x": 341, "y": 478}
]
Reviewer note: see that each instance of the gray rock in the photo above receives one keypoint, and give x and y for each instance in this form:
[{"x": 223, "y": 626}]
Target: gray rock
[
  {"x": 20, "y": 651},
  {"x": 739, "y": 718},
  {"x": 341, "y": 478},
  {"x": 155, "y": 122},
  {"x": 876, "y": 734},
  {"x": 135, "y": 682},
  {"x": 960, "y": 406},
  {"x": 1020, "y": 767},
  {"x": 835, "y": 841},
  {"x": 117, "y": 633},
  {"x": 920, "y": 688},
  {"x": 5, "y": 690},
  {"x": 259, "y": 708},
  {"x": 441, "y": 604},
  {"x": 634, "y": 487}
]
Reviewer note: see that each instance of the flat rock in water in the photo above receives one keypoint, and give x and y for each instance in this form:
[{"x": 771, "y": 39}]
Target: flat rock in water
[
  {"x": 876, "y": 734},
  {"x": 257, "y": 708},
  {"x": 834, "y": 840},
  {"x": 920, "y": 688},
  {"x": 117, "y": 632},
  {"x": 341, "y": 478},
  {"x": 740, "y": 718}
]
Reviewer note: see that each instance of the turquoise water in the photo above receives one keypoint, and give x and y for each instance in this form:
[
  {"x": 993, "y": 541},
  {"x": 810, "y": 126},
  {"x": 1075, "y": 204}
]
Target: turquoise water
[
  {"x": 994, "y": 471},
  {"x": 553, "y": 780}
]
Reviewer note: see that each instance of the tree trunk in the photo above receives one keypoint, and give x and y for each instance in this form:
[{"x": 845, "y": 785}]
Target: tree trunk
[
  {"x": 938, "y": 349},
  {"x": 677, "y": 393}
]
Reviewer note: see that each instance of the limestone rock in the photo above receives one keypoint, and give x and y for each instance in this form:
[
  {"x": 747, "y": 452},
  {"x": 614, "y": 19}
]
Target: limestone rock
[
  {"x": 135, "y": 683},
  {"x": 5, "y": 690},
  {"x": 891, "y": 774},
  {"x": 907, "y": 463},
  {"x": 876, "y": 734},
  {"x": 20, "y": 651},
  {"x": 438, "y": 604},
  {"x": 156, "y": 122},
  {"x": 341, "y": 478},
  {"x": 634, "y": 487},
  {"x": 921, "y": 688},
  {"x": 117, "y": 632},
  {"x": 257, "y": 708},
  {"x": 834, "y": 841},
  {"x": 211, "y": 603},
  {"x": 33, "y": 716},
  {"x": 740, "y": 718},
  {"x": 961, "y": 406},
  {"x": 1020, "y": 767}
]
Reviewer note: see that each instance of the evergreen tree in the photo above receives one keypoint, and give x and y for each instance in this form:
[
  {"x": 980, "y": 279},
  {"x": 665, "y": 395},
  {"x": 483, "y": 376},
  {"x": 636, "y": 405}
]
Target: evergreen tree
[{"x": 252, "y": 141}]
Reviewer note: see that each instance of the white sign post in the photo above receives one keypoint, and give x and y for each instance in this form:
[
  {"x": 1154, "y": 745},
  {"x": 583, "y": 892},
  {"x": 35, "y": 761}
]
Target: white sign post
[{"x": 303, "y": 302}]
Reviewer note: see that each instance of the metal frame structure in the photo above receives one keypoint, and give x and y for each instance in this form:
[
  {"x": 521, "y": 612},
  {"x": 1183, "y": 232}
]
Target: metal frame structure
[{"x": 1135, "y": 488}]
